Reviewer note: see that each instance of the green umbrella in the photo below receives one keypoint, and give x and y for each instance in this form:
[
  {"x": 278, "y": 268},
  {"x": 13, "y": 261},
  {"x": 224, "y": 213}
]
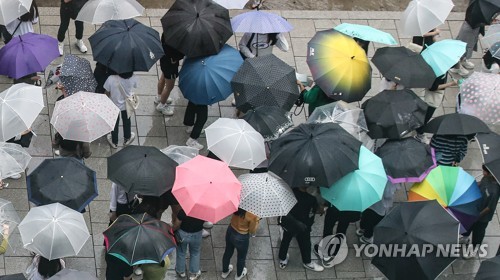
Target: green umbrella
[
  {"x": 442, "y": 55},
  {"x": 361, "y": 188},
  {"x": 367, "y": 33}
]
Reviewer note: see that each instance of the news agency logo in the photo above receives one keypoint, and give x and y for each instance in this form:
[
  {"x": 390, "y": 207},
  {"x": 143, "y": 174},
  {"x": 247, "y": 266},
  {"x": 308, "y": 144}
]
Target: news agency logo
[{"x": 332, "y": 249}]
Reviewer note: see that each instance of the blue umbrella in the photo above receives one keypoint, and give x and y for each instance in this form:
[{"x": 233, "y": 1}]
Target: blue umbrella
[
  {"x": 260, "y": 22},
  {"x": 366, "y": 33},
  {"x": 207, "y": 80},
  {"x": 442, "y": 55}
]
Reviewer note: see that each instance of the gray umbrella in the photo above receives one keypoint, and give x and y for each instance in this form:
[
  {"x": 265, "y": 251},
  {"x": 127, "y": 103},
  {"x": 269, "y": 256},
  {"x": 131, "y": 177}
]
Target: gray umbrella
[
  {"x": 76, "y": 75},
  {"x": 265, "y": 80}
]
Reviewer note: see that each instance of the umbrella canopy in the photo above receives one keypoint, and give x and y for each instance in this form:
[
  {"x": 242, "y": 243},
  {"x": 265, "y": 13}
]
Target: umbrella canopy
[
  {"x": 17, "y": 276},
  {"x": 54, "y": 231},
  {"x": 421, "y": 16},
  {"x": 266, "y": 195},
  {"x": 126, "y": 46},
  {"x": 489, "y": 269},
  {"x": 68, "y": 273},
  {"x": 19, "y": 107},
  {"x": 99, "y": 11},
  {"x": 265, "y": 80},
  {"x": 138, "y": 239},
  {"x": 361, "y": 188},
  {"x": 366, "y": 33},
  {"x": 407, "y": 160},
  {"x": 480, "y": 97},
  {"x": 77, "y": 75},
  {"x": 269, "y": 121},
  {"x": 206, "y": 189},
  {"x": 180, "y": 154},
  {"x": 481, "y": 12},
  {"x": 142, "y": 170},
  {"x": 489, "y": 143},
  {"x": 27, "y": 54},
  {"x": 84, "y": 116},
  {"x": 236, "y": 143},
  {"x": 339, "y": 65},
  {"x": 14, "y": 159},
  {"x": 232, "y": 4},
  {"x": 8, "y": 216},
  {"x": 314, "y": 155},
  {"x": 492, "y": 35},
  {"x": 12, "y": 9},
  {"x": 495, "y": 50},
  {"x": 409, "y": 224},
  {"x": 64, "y": 180},
  {"x": 394, "y": 113},
  {"x": 196, "y": 27},
  {"x": 454, "y": 189},
  {"x": 207, "y": 80},
  {"x": 260, "y": 22},
  {"x": 442, "y": 55},
  {"x": 456, "y": 124}
]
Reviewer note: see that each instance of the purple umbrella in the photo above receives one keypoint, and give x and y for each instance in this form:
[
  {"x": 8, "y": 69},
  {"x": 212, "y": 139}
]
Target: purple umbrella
[
  {"x": 27, "y": 54},
  {"x": 260, "y": 22}
]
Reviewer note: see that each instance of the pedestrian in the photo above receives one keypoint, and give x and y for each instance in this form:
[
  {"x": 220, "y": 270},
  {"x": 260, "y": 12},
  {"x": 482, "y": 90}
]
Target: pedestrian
[
  {"x": 155, "y": 271},
  {"x": 490, "y": 63},
  {"x": 120, "y": 203},
  {"x": 449, "y": 149},
  {"x": 261, "y": 44},
  {"x": 116, "y": 269},
  {"x": 71, "y": 148},
  {"x": 23, "y": 139},
  {"x": 101, "y": 74},
  {"x": 315, "y": 97},
  {"x": 42, "y": 269},
  {"x": 69, "y": 10},
  {"x": 23, "y": 24},
  {"x": 363, "y": 44},
  {"x": 118, "y": 88},
  {"x": 5, "y": 237},
  {"x": 189, "y": 232},
  {"x": 420, "y": 43},
  {"x": 195, "y": 118},
  {"x": 243, "y": 224}
]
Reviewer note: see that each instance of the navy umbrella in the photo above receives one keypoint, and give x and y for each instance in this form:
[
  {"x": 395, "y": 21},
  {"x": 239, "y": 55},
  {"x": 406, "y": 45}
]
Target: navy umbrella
[
  {"x": 76, "y": 75},
  {"x": 481, "y": 12},
  {"x": 489, "y": 269},
  {"x": 456, "y": 124},
  {"x": 489, "y": 143}
]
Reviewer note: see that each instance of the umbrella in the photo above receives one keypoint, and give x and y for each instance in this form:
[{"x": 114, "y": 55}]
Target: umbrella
[
  {"x": 339, "y": 65},
  {"x": 265, "y": 80},
  {"x": 17, "y": 276},
  {"x": 232, "y": 4},
  {"x": 196, "y": 27},
  {"x": 266, "y": 195},
  {"x": 442, "y": 55},
  {"x": 407, "y": 160},
  {"x": 12, "y": 9},
  {"x": 454, "y": 189},
  {"x": 456, "y": 124},
  {"x": 492, "y": 35},
  {"x": 180, "y": 154},
  {"x": 68, "y": 273},
  {"x": 99, "y": 11},
  {"x": 126, "y": 46},
  {"x": 8, "y": 216},
  {"x": 414, "y": 225},
  {"x": 403, "y": 66},
  {"x": 142, "y": 170},
  {"x": 236, "y": 143},
  {"x": 14, "y": 159},
  {"x": 27, "y": 54},
  {"x": 480, "y": 97},
  {"x": 19, "y": 107},
  {"x": 361, "y": 188},
  {"x": 64, "y": 180},
  {"x": 206, "y": 189},
  {"x": 495, "y": 50},
  {"x": 76, "y": 75},
  {"x": 314, "y": 155},
  {"x": 489, "y": 143},
  {"x": 367, "y": 33},
  {"x": 54, "y": 231},
  {"x": 489, "y": 269},
  {"x": 260, "y": 22},
  {"x": 394, "y": 113},
  {"x": 207, "y": 80},
  {"x": 421, "y": 16},
  {"x": 269, "y": 121},
  {"x": 138, "y": 239},
  {"x": 84, "y": 116},
  {"x": 481, "y": 12}
]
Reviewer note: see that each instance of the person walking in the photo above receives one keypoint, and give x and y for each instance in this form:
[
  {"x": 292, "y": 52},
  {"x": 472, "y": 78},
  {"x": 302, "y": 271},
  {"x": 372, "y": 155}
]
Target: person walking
[
  {"x": 189, "y": 231},
  {"x": 70, "y": 148},
  {"x": 42, "y": 269},
  {"x": 315, "y": 97},
  {"x": 195, "y": 118},
  {"x": 69, "y": 10},
  {"x": 261, "y": 44},
  {"x": 449, "y": 149},
  {"x": 23, "y": 24}
]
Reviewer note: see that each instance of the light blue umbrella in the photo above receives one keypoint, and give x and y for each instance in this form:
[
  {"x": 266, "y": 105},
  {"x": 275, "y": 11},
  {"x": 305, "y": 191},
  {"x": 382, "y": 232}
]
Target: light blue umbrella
[
  {"x": 207, "y": 80},
  {"x": 366, "y": 33},
  {"x": 260, "y": 22},
  {"x": 442, "y": 55}
]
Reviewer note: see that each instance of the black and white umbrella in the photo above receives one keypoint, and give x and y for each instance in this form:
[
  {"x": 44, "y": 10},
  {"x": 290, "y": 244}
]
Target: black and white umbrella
[{"x": 76, "y": 75}]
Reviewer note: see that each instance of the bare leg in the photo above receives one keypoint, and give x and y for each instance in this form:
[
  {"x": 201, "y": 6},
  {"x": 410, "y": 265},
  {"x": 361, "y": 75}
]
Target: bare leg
[
  {"x": 161, "y": 84},
  {"x": 169, "y": 86}
]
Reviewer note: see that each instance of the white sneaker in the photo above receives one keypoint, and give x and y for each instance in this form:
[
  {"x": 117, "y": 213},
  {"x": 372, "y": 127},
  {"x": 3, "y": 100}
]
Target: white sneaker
[
  {"x": 208, "y": 225},
  {"x": 16, "y": 176},
  {"x": 81, "y": 46},
  {"x": 462, "y": 71},
  {"x": 194, "y": 144},
  {"x": 60, "y": 45},
  {"x": 243, "y": 274},
  {"x": 366, "y": 240},
  {"x": 313, "y": 266},
  {"x": 467, "y": 64},
  {"x": 157, "y": 100},
  {"x": 138, "y": 271},
  {"x": 165, "y": 109},
  {"x": 284, "y": 263},
  {"x": 233, "y": 102},
  {"x": 113, "y": 145},
  {"x": 224, "y": 275},
  {"x": 129, "y": 141},
  {"x": 195, "y": 276},
  {"x": 57, "y": 152},
  {"x": 205, "y": 233}
]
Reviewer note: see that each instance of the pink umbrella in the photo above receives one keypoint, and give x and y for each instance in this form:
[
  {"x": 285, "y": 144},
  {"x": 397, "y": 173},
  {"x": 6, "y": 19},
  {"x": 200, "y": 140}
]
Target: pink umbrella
[{"x": 206, "y": 189}]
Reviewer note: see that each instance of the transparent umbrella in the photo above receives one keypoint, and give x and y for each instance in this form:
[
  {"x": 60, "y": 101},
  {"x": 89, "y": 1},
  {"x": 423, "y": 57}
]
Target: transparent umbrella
[
  {"x": 8, "y": 219},
  {"x": 13, "y": 159},
  {"x": 180, "y": 154}
]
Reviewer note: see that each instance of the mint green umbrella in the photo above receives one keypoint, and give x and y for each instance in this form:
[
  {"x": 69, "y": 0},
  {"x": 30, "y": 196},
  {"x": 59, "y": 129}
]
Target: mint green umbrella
[
  {"x": 442, "y": 55},
  {"x": 361, "y": 188},
  {"x": 367, "y": 33}
]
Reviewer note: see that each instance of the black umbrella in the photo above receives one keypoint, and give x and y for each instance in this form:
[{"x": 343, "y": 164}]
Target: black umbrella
[
  {"x": 481, "y": 12},
  {"x": 403, "y": 66},
  {"x": 489, "y": 143},
  {"x": 394, "y": 113},
  {"x": 18, "y": 276},
  {"x": 269, "y": 121},
  {"x": 142, "y": 170},
  {"x": 489, "y": 269},
  {"x": 314, "y": 155},
  {"x": 456, "y": 124},
  {"x": 196, "y": 27},
  {"x": 64, "y": 180},
  {"x": 415, "y": 224},
  {"x": 265, "y": 80},
  {"x": 126, "y": 46},
  {"x": 76, "y": 75}
]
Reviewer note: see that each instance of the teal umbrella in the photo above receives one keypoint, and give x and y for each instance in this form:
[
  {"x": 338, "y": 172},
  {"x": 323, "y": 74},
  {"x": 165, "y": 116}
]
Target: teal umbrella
[
  {"x": 442, "y": 55},
  {"x": 366, "y": 33},
  {"x": 361, "y": 188}
]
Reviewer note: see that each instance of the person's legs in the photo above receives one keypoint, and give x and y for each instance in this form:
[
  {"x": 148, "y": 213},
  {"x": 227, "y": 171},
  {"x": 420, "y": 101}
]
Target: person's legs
[
  {"x": 114, "y": 133},
  {"x": 478, "y": 232},
  {"x": 63, "y": 27},
  {"x": 331, "y": 217},
  {"x": 369, "y": 220},
  {"x": 126, "y": 126},
  {"x": 190, "y": 114},
  {"x": 304, "y": 240},
  {"x": 160, "y": 85},
  {"x": 180, "y": 254},
  {"x": 229, "y": 251},
  {"x": 201, "y": 119},
  {"x": 241, "y": 242},
  {"x": 194, "y": 252},
  {"x": 78, "y": 29},
  {"x": 285, "y": 243},
  {"x": 169, "y": 86}
]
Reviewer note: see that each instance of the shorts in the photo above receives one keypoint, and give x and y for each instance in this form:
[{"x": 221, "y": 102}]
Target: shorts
[{"x": 169, "y": 70}]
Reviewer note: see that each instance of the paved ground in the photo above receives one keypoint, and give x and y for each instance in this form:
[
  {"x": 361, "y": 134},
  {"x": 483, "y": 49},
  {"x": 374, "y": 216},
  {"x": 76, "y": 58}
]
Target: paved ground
[{"x": 153, "y": 129}]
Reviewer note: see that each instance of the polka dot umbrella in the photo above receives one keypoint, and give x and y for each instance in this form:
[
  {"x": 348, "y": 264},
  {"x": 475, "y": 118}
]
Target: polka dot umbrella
[{"x": 480, "y": 97}]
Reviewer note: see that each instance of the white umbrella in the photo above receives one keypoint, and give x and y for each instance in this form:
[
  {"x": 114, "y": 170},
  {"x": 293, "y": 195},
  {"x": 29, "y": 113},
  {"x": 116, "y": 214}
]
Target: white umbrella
[
  {"x": 492, "y": 35},
  {"x": 180, "y": 154},
  {"x": 19, "y": 107},
  {"x": 99, "y": 11},
  {"x": 13, "y": 159},
  {"x": 232, "y": 4},
  {"x": 84, "y": 116},
  {"x": 421, "y": 16},
  {"x": 12, "y": 9},
  {"x": 8, "y": 216},
  {"x": 54, "y": 231},
  {"x": 265, "y": 195},
  {"x": 67, "y": 274},
  {"x": 236, "y": 142}
]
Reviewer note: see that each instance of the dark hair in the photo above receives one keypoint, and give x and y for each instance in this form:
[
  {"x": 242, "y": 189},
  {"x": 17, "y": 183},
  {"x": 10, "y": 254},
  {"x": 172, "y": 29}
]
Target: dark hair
[
  {"x": 149, "y": 205},
  {"x": 32, "y": 14},
  {"x": 48, "y": 268},
  {"x": 241, "y": 213},
  {"x": 485, "y": 169},
  {"x": 272, "y": 38},
  {"x": 126, "y": 75}
]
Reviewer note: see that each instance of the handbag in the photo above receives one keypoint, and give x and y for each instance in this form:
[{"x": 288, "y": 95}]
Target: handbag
[
  {"x": 249, "y": 44},
  {"x": 131, "y": 102}
]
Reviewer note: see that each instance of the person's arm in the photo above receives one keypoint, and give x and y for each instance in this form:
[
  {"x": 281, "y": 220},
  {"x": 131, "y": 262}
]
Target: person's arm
[
  {"x": 311, "y": 95},
  {"x": 107, "y": 86},
  {"x": 432, "y": 33},
  {"x": 492, "y": 203},
  {"x": 5, "y": 240},
  {"x": 57, "y": 141},
  {"x": 253, "y": 223},
  {"x": 282, "y": 43},
  {"x": 113, "y": 193},
  {"x": 243, "y": 46},
  {"x": 447, "y": 85},
  {"x": 177, "y": 224}
]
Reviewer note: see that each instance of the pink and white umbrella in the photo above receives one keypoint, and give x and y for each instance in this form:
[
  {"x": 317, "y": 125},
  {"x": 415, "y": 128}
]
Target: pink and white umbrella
[{"x": 480, "y": 97}]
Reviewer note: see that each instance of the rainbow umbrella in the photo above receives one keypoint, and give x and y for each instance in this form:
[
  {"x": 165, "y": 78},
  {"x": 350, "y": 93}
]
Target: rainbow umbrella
[{"x": 454, "y": 189}]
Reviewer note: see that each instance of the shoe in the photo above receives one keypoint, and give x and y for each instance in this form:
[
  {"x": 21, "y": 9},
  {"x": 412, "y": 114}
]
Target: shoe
[
  {"x": 464, "y": 240},
  {"x": 113, "y": 145},
  {"x": 284, "y": 263},
  {"x": 360, "y": 232},
  {"x": 127, "y": 142},
  {"x": 243, "y": 274},
  {"x": 16, "y": 176},
  {"x": 165, "y": 109},
  {"x": 57, "y": 152},
  {"x": 60, "y": 45},
  {"x": 3, "y": 185},
  {"x": 194, "y": 144},
  {"x": 326, "y": 259},
  {"x": 81, "y": 46},
  {"x": 462, "y": 71},
  {"x": 181, "y": 274},
  {"x": 195, "y": 276},
  {"x": 421, "y": 138},
  {"x": 313, "y": 266},
  {"x": 366, "y": 240},
  {"x": 138, "y": 271},
  {"x": 205, "y": 233},
  {"x": 468, "y": 255},
  {"x": 467, "y": 64},
  {"x": 157, "y": 100},
  {"x": 208, "y": 225},
  {"x": 233, "y": 102},
  {"x": 224, "y": 275}
]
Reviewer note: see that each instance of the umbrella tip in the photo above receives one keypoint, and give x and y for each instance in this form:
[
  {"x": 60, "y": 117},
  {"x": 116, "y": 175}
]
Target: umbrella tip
[
  {"x": 352, "y": 57},
  {"x": 197, "y": 15},
  {"x": 145, "y": 155}
]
